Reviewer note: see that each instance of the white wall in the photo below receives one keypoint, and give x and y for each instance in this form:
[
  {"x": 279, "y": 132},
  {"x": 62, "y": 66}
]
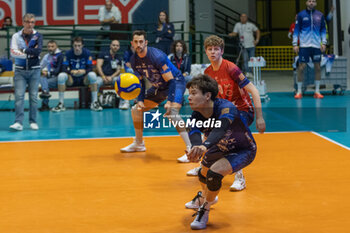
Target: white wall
[
  {"x": 345, "y": 22},
  {"x": 179, "y": 11},
  {"x": 241, "y": 6}
]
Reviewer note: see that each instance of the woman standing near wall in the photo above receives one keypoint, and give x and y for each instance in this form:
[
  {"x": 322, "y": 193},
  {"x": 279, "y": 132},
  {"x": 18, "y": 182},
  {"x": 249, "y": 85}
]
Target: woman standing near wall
[{"x": 164, "y": 33}]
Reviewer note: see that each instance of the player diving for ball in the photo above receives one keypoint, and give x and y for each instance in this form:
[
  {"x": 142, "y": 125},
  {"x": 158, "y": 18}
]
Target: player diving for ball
[{"x": 167, "y": 83}]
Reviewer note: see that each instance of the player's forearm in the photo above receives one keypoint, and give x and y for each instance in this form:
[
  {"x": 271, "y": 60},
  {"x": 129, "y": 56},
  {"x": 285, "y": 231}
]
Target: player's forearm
[
  {"x": 100, "y": 72},
  {"x": 257, "y": 103},
  {"x": 258, "y": 35},
  {"x": 142, "y": 94},
  {"x": 115, "y": 74},
  {"x": 217, "y": 134},
  {"x": 195, "y": 138}
]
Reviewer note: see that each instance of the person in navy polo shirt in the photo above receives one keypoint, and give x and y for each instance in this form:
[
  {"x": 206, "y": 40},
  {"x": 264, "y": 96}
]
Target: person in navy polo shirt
[{"x": 108, "y": 68}]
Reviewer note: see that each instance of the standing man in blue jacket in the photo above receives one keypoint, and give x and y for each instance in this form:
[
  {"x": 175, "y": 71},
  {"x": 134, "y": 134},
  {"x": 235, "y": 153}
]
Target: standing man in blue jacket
[
  {"x": 310, "y": 29},
  {"x": 26, "y": 47}
]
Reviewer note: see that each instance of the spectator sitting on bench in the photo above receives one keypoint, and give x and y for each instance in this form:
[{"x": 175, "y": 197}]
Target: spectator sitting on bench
[
  {"x": 181, "y": 59},
  {"x": 51, "y": 67},
  {"x": 108, "y": 67},
  {"x": 78, "y": 72}
]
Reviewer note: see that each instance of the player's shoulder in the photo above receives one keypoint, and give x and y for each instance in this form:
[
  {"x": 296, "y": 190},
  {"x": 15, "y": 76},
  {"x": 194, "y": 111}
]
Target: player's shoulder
[
  {"x": 86, "y": 52},
  {"x": 208, "y": 69},
  {"x": 303, "y": 13},
  {"x": 318, "y": 12},
  {"x": 228, "y": 65},
  {"x": 156, "y": 52},
  {"x": 222, "y": 103},
  {"x": 70, "y": 53},
  {"x": 223, "y": 106},
  {"x": 250, "y": 24}
]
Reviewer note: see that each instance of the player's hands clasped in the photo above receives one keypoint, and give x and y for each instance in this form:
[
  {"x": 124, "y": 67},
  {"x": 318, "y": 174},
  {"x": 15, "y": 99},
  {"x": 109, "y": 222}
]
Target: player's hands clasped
[
  {"x": 167, "y": 107},
  {"x": 196, "y": 153},
  {"x": 140, "y": 106}
]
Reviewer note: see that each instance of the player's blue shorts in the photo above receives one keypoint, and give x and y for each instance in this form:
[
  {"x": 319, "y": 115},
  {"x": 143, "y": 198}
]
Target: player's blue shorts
[
  {"x": 78, "y": 81},
  {"x": 247, "y": 117},
  {"x": 238, "y": 160},
  {"x": 306, "y": 53},
  {"x": 156, "y": 95}
]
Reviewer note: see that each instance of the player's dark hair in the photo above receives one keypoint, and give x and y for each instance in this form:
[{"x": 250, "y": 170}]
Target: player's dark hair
[
  {"x": 205, "y": 84},
  {"x": 139, "y": 33},
  {"x": 52, "y": 42},
  {"x": 184, "y": 47},
  {"x": 78, "y": 39}
]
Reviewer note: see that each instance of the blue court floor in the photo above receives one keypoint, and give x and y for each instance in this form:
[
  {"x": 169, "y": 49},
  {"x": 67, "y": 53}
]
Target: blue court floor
[{"x": 328, "y": 117}]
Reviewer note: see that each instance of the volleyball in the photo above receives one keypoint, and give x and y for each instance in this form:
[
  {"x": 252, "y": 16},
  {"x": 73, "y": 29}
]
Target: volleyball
[{"x": 127, "y": 86}]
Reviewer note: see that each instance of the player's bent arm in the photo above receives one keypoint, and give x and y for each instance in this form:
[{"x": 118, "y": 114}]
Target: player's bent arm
[
  {"x": 167, "y": 76},
  {"x": 216, "y": 135},
  {"x": 99, "y": 64},
  {"x": 233, "y": 34},
  {"x": 117, "y": 72},
  {"x": 142, "y": 94},
  {"x": 257, "y": 106},
  {"x": 195, "y": 138}
]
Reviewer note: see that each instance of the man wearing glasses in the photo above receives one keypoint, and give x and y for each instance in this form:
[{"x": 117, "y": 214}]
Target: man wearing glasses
[{"x": 26, "y": 47}]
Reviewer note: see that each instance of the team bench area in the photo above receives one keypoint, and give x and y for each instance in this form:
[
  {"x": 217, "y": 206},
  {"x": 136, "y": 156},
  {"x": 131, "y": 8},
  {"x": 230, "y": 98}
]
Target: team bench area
[{"x": 6, "y": 86}]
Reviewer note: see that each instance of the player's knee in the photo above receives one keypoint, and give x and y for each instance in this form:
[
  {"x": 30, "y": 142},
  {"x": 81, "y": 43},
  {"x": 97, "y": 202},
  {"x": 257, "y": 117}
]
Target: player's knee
[
  {"x": 99, "y": 82},
  {"x": 302, "y": 66},
  {"x": 136, "y": 114},
  {"x": 214, "y": 180},
  {"x": 201, "y": 178},
  {"x": 92, "y": 77},
  {"x": 62, "y": 78}
]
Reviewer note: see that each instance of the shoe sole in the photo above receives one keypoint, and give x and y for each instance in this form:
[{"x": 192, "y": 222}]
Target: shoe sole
[
  {"x": 124, "y": 151},
  {"x": 181, "y": 161},
  {"x": 198, "y": 228},
  {"x": 14, "y": 129},
  {"x": 236, "y": 190},
  {"x": 191, "y": 174},
  {"x": 58, "y": 111}
]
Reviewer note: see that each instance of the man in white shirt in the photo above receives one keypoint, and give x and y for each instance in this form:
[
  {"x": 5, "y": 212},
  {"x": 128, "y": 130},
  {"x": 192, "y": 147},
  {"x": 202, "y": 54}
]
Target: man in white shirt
[
  {"x": 107, "y": 15},
  {"x": 245, "y": 30}
]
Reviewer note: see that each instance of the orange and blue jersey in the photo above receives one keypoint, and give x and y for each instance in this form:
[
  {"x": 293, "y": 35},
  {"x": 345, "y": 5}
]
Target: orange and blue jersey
[
  {"x": 231, "y": 87},
  {"x": 238, "y": 135}
]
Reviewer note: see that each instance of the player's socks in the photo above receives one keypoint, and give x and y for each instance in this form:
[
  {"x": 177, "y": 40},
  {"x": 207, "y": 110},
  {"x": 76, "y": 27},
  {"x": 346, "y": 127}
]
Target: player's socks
[
  {"x": 300, "y": 84},
  {"x": 317, "y": 86},
  {"x": 61, "y": 97},
  {"x": 186, "y": 139},
  {"x": 94, "y": 96}
]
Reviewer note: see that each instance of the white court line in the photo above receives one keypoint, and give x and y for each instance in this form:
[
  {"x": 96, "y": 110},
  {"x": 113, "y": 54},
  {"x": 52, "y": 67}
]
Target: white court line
[
  {"x": 328, "y": 139},
  {"x": 156, "y": 136},
  {"x": 101, "y": 138}
]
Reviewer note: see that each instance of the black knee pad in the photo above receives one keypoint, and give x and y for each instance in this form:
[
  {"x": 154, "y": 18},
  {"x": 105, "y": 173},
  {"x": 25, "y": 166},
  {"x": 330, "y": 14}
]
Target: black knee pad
[
  {"x": 214, "y": 180},
  {"x": 201, "y": 178}
]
